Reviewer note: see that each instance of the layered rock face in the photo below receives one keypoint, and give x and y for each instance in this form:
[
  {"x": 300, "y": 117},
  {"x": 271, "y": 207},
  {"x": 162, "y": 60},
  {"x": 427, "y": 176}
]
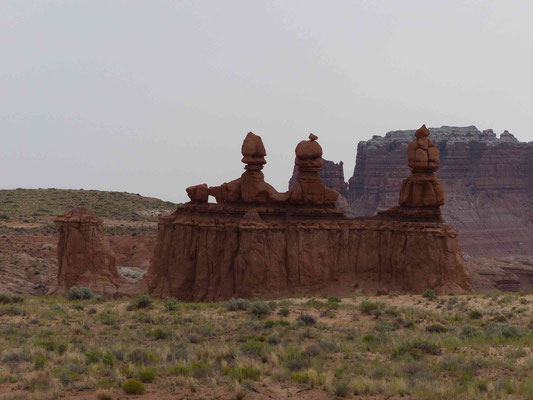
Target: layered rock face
[
  {"x": 488, "y": 181},
  {"x": 258, "y": 242},
  {"x": 85, "y": 258},
  {"x": 209, "y": 252},
  {"x": 249, "y": 247}
]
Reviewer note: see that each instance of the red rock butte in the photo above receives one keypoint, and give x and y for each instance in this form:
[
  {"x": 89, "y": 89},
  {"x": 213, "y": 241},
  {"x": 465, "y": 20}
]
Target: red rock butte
[{"x": 257, "y": 242}]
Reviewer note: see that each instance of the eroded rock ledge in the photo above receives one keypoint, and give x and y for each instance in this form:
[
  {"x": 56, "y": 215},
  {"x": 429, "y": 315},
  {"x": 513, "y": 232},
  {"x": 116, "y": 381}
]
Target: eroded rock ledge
[
  {"x": 258, "y": 242},
  {"x": 212, "y": 252}
]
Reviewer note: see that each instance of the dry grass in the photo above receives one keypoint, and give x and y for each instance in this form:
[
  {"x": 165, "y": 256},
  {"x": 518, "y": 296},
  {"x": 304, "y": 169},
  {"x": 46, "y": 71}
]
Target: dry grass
[{"x": 453, "y": 347}]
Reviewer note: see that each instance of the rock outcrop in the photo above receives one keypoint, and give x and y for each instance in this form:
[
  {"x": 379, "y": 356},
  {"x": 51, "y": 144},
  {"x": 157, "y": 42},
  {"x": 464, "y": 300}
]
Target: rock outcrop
[
  {"x": 269, "y": 248},
  {"x": 85, "y": 258},
  {"x": 258, "y": 242},
  {"x": 488, "y": 182}
]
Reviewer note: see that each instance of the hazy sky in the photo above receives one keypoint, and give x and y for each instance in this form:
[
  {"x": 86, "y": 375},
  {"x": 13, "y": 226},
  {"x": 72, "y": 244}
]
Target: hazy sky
[{"x": 153, "y": 96}]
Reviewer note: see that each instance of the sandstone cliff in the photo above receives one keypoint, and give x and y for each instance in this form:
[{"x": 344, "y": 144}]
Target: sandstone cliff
[
  {"x": 487, "y": 180},
  {"x": 211, "y": 252}
]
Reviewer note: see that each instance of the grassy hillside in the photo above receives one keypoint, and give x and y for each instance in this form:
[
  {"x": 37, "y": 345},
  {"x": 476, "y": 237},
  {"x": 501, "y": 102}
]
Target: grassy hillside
[{"x": 34, "y": 205}]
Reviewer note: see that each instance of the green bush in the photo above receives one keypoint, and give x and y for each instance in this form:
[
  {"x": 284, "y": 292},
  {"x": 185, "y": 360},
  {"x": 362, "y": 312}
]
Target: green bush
[
  {"x": 171, "y": 304},
  {"x": 160, "y": 334},
  {"x": 238, "y": 305},
  {"x": 475, "y": 314},
  {"x": 133, "y": 386},
  {"x": 243, "y": 373},
  {"x": 140, "y": 301},
  {"x": 147, "y": 375},
  {"x": 80, "y": 293},
  {"x": 307, "y": 319},
  {"x": 10, "y": 299},
  {"x": 367, "y": 307},
  {"x": 429, "y": 294},
  {"x": 255, "y": 348},
  {"x": 341, "y": 389},
  {"x": 259, "y": 309},
  {"x": 180, "y": 370},
  {"x": 283, "y": 312},
  {"x": 109, "y": 359}
]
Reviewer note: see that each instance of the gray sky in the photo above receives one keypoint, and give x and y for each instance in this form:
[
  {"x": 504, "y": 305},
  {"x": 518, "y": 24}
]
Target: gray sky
[{"x": 153, "y": 96}]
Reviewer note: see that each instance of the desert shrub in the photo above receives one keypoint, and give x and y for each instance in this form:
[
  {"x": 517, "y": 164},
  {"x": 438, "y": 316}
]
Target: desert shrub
[
  {"x": 273, "y": 340},
  {"x": 341, "y": 389},
  {"x": 436, "y": 328},
  {"x": 93, "y": 356},
  {"x": 334, "y": 299},
  {"x": 312, "y": 350},
  {"x": 429, "y": 294},
  {"x": 367, "y": 307},
  {"x": 133, "y": 386},
  {"x": 171, "y": 304},
  {"x": 469, "y": 331},
  {"x": 307, "y": 319},
  {"x": 39, "y": 362},
  {"x": 475, "y": 314},
  {"x": 108, "y": 318},
  {"x": 259, "y": 309},
  {"x": 178, "y": 352},
  {"x": 147, "y": 375},
  {"x": 238, "y": 305},
  {"x": 255, "y": 348},
  {"x": 200, "y": 369},
  {"x": 294, "y": 358},
  {"x": 109, "y": 359},
  {"x": 180, "y": 370},
  {"x": 160, "y": 334},
  {"x": 15, "y": 356},
  {"x": 80, "y": 293},
  {"x": 140, "y": 301},
  {"x": 13, "y": 310},
  {"x": 10, "y": 299},
  {"x": 415, "y": 349},
  {"x": 283, "y": 312},
  {"x": 243, "y": 373},
  {"x": 503, "y": 330},
  {"x": 141, "y": 356}
]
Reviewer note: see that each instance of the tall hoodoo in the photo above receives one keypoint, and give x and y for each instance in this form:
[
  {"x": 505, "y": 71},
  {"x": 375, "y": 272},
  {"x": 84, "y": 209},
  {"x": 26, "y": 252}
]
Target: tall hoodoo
[{"x": 421, "y": 194}]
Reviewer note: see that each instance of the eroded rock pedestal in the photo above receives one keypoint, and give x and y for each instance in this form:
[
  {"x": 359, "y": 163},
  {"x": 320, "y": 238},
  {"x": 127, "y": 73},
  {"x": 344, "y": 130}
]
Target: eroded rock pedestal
[
  {"x": 243, "y": 248},
  {"x": 213, "y": 252},
  {"x": 85, "y": 258}
]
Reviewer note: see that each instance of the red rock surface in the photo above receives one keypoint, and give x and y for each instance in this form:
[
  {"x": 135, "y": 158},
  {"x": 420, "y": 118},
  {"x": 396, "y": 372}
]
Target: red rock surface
[
  {"x": 84, "y": 256},
  {"x": 211, "y": 252},
  {"x": 257, "y": 242},
  {"x": 208, "y": 252},
  {"x": 488, "y": 183}
]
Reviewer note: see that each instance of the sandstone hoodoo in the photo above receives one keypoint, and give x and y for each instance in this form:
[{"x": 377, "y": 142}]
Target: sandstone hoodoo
[
  {"x": 258, "y": 242},
  {"x": 85, "y": 258},
  {"x": 421, "y": 194}
]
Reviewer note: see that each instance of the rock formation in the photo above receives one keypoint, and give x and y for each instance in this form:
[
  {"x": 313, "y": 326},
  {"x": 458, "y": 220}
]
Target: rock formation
[
  {"x": 250, "y": 187},
  {"x": 488, "y": 183},
  {"x": 258, "y": 242},
  {"x": 85, "y": 258},
  {"x": 239, "y": 248},
  {"x": 421, "y": 194},
  {"x": 309, "y": 188}
]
